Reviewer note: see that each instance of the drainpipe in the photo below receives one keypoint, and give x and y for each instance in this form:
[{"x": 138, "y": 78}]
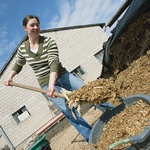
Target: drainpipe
[
  {"x": 6, "y": 138},
  {"x": 52, "y": 122}
]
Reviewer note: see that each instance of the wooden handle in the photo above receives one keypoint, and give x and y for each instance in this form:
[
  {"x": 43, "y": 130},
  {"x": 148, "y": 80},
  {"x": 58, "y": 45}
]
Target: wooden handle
[{"x": 34, "y": 89}]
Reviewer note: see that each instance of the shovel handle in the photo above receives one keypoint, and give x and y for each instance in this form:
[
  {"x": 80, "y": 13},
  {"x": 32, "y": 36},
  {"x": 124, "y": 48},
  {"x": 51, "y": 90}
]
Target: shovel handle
[{"x": 34, "y": 89}]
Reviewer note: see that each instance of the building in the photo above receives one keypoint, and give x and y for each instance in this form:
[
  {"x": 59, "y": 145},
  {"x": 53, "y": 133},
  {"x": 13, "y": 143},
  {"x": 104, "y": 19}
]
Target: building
[{"x": 25, "y": 112}]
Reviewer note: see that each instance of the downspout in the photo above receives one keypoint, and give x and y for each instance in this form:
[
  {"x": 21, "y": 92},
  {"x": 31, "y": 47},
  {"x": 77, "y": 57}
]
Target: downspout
[
  {"x": 52, "y": 122},
  {"x": 6, "y": 138}
]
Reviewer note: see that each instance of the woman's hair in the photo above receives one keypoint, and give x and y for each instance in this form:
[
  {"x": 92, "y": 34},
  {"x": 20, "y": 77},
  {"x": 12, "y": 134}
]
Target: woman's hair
[{"x": 27, "y": 18}]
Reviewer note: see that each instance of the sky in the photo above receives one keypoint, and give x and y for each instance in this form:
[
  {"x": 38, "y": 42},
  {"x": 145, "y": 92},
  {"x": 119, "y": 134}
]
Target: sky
[{"x": 52, "y": 14}]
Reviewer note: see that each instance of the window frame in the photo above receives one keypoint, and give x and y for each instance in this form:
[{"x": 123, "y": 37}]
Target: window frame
[
  {"x": 99, "y": 55},
  {"x": 79, "y": 72},
  {"x": 20, "y": 112}
]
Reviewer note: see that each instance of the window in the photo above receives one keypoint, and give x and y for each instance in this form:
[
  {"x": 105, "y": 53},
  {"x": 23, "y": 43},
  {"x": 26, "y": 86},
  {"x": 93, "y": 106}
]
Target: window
[
  {"x": 21, "y": 114},
  {"x": 79, "y": 72},
  {"x": 99, "y": 55}
]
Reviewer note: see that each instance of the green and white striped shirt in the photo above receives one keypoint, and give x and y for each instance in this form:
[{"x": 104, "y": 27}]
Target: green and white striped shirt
[{"x": 45, "y": 61}]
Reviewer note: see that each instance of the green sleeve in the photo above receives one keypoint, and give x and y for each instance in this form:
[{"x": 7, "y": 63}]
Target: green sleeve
[
  {"x": 17, "y": 68},
  {"x": 54, "y": 67}
]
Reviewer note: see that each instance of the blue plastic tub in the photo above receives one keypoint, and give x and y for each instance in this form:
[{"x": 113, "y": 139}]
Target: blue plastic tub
[{"x": 140, "y": 142}]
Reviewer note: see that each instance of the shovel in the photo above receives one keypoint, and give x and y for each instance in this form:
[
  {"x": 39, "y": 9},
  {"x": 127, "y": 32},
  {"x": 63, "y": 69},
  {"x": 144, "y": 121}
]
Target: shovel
[
  {"x": 35, "y": 89},
  {"x": 63, "y": 94}
]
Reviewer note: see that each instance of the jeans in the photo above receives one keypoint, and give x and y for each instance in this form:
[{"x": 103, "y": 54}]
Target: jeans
[{"x": 70, "y": 82}]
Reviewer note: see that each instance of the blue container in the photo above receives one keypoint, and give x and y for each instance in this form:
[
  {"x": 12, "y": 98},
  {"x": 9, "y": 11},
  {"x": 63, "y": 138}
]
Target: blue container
[{"x": 140, "y": 142}]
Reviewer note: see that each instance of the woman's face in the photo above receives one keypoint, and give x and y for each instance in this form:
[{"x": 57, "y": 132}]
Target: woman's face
[{"x": 32, "y": 28}]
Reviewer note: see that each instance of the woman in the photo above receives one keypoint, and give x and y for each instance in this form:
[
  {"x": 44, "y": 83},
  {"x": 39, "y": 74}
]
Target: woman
[{"x": 41, "y": 53}]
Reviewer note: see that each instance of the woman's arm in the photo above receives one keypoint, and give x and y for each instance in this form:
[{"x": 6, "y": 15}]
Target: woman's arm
[
  {"x": 52, "y": 79},
  {"x": 53, "y": 58},
  {"x": 20, "y": 61}
]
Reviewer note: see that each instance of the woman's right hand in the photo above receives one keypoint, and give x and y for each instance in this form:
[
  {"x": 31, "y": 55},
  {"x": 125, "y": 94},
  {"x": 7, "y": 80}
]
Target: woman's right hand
[
  {"x": 7, "y": 82},
  {"x": 10, "y": 78}
]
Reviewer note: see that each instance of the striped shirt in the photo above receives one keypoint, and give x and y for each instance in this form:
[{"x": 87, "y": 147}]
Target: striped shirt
[{"x": 45, "y": 61}]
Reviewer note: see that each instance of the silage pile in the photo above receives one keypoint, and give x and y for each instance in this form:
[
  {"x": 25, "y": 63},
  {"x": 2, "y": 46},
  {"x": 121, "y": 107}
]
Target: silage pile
[
  {"x": 96, "y": 92},
  {"x": 129, "y": 67},
  {"x": 129, "y": 74},
  {"x": 131, "y": 70}
]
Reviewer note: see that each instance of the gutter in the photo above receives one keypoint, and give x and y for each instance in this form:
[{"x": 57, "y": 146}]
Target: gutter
[{"x": 118, "y": 13}]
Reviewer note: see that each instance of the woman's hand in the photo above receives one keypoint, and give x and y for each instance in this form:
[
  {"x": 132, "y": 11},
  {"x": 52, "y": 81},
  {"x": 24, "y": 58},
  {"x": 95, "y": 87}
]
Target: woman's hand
[
  {"x": 7, "y": 82},
  {"x": 51, "y": 91},
  {"x": 10, "y": 78}
]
